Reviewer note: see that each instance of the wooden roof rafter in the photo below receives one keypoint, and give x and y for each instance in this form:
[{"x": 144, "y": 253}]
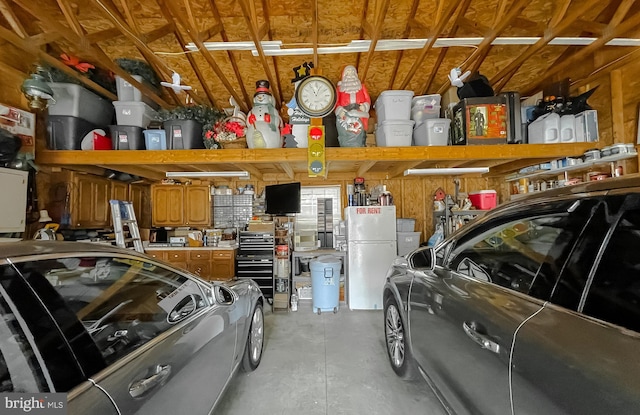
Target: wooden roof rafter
[
  {"x": 435, "y": 32},
  {"x": 461, "y": 11},
  {"x": 380, "y": 14},
  {"x": 617, "y": 26},
  {"x": 274, "y": 61},
  {"x": 405, "y": 35},
  {"x": 363, "y": 19},
  {"x": 113, "y": 15},
  {"x": 12, "y": 19},
  {"x": 477, "y": 57},
  {"x": 250, "y": 16},
  {"x": 70, "y": 16},
  {"x": 314, "y": 34},
  {"x": 561, "y": 21}
]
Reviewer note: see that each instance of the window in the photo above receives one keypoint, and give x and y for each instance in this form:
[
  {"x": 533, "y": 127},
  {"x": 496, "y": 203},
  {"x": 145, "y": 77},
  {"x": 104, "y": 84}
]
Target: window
[
  {"x": 522, "y": 253},
  {"x": 614, "y": 295},
  {"x": 20, "y": 370},
  {"x": 122, "y": 303}
]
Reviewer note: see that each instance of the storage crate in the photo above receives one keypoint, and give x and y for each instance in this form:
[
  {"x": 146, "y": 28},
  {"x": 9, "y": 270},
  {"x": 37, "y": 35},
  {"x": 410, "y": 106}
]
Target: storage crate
[
  {"x": 433, "y": 132},
  {"x": 134, "y": 113},
  {"x": 394, "y": 133},
  {"x": 222, "y": 200},
  {"x": 484, "y": 199},
  {"x": 426, "y": 101},
  {"x": 420, "y": 115},
  {"x": 405, "y": 225},
  {"x": 305, "y": 293},
  {"x": 76, "y": 101},
  {"x": 407, "y": 242},
  {"x": 66, "y": 132},
  {"x": 127, "y": 92},
  {"x": 393, "y": 105},
  {"x": 155, "y": 139},
  {"x": 126, "y": 137},
  {"x": 183, "y": 134}
]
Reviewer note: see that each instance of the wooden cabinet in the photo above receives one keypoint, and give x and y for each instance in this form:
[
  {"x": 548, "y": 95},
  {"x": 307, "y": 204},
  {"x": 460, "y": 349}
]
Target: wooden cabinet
[
  {"x": 207, "y": 263},
  {"x": 223, "y": 264},
  {"x": 90, "y": 201},
  {"x": 176, "y": 205},
  {"x": 140, "y": 197},
  {"x": 119, "y": 191}
]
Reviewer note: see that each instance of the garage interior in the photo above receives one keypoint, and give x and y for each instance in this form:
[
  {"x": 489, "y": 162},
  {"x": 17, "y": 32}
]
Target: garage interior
[{"x": 537, "y": 48}]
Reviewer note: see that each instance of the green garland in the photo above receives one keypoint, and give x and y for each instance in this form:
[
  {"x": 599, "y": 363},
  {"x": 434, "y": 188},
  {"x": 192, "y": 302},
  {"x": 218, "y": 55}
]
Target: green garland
[
  {"x": 140, "y": 68},
  {"x": 205, "y": 115}
]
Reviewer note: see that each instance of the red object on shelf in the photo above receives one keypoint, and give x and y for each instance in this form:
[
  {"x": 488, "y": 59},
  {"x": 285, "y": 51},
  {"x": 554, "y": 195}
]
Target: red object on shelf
[
  {"x": 101, "y": 142},
  {"x": 484, "y": 199}
]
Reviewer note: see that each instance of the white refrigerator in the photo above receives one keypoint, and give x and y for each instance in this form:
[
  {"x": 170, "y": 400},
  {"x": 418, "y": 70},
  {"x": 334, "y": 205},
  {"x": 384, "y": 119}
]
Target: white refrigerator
[{"x": 371, "y": 248}]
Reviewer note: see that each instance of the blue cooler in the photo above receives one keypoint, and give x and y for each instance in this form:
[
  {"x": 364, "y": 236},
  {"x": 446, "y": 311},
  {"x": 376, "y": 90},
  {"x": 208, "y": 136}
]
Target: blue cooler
[{"x": 325, "y": 283}]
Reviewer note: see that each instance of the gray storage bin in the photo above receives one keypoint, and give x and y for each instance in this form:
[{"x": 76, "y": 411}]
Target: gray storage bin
[{"x": 77, "y": 101}]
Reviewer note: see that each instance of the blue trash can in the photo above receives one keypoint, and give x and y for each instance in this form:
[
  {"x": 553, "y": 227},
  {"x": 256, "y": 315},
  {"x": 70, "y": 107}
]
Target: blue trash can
[{"x": 325, "y": 283}]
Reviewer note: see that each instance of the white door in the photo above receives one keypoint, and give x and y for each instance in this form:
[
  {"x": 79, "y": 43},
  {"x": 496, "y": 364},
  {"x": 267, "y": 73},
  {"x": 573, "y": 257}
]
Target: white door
[{"x": 368, "y": 264}]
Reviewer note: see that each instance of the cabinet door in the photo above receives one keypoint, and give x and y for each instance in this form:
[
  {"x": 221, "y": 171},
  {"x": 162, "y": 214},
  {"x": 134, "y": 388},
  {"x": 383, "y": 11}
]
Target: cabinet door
[
  {"x": 140, "y": 197},
  {"x": 223, "y": 265},
  {"x": 197, "y": 205},
  {"x": 200, "y": 268},
  {"x": 92, "y": 207},
  {"x": 119, "y": 191},
  {"x": 167, "y": 205}
]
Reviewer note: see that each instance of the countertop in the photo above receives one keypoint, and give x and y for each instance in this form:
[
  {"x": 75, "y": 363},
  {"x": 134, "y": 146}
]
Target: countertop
[{"x": 182, "y": 248}]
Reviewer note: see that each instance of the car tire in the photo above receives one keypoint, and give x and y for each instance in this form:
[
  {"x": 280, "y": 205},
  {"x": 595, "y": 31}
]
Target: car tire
[
  {"x": 255, "y": 341},
  {"x": 396, "y": 340}
]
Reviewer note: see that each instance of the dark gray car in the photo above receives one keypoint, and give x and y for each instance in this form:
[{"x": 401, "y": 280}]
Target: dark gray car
[
  {"x": 119, "y": 332},
  {"x": 532, "y": 309}
]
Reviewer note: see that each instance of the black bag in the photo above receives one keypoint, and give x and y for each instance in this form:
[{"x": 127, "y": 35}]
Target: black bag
[{"x": 9, "y": 146}]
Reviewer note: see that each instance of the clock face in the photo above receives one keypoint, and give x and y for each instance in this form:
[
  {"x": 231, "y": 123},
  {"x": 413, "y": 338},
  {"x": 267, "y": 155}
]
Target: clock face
[{"x": 316, "y": 96}]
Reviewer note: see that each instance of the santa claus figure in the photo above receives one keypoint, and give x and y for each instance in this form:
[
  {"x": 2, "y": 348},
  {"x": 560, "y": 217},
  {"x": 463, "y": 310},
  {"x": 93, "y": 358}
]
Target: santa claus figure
[{"x": 352, "y": 109}]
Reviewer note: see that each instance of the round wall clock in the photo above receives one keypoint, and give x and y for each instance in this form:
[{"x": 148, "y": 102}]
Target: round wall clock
[{"x": 316, "y": 96}]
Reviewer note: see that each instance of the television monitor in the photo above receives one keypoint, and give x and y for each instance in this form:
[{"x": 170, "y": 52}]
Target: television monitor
[{"x": 281, "y": 199}]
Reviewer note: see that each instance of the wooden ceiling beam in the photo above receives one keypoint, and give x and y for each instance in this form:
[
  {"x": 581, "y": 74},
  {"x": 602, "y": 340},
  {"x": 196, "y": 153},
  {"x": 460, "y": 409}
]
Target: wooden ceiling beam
[
  {"x": 266, "y": 28},
  {"x": 365, "y": 167},
  {"x": 607, "y": 68},
  {"x": 176, "y": 14},
  {"x": 249, "y": 13},
  {"x": 613, "y": 31},
  {"x": 69, "y": 12},
  {"x": 460, "y": 12},
  {"x": 585, "y": 26},
  {"x": 314, "y": 34},
  {"x": 365, "y": 29},
  {"x": 211, "y": 31},
  {"x": 399, "y": 169},
  {"x": 288, "y": 170},
  {"x": 377, "y": 30},
  {"x": 158, "y": 33},
  {"x": 104, "y": 35},
  {"x": 434, "y": 33},
  {"x": 12, "y": 19},
  {"x": 476, "y": 58},
  {"x": 44, "y": 38},
  {"x": 9, "y": 70},
  {"x": 86, "y": 47},
  {"x": 564, "y": 19},
  {"x": 405, "y": 35},
  {"x": 130, "y": 30},
  {"x": 234, "y": 63}
]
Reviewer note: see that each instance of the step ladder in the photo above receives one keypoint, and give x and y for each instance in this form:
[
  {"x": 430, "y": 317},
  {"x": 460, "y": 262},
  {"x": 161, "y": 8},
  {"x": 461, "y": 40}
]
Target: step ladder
[{"x": 122, "y": 214}]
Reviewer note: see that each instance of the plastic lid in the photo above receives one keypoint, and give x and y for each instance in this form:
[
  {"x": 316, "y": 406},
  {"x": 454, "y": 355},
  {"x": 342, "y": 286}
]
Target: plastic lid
[
  {"x": 327, "y": 259},
  {"x": 482, "y": 191}
]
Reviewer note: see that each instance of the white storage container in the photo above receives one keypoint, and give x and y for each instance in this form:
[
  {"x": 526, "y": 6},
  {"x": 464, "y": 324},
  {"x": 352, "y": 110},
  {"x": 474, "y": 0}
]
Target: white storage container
[
  {"x": 133, "y": 113},
  {"x": 545, "y": 129},
  {"x": 76, "y": 101},
  {"x": 393, "y": 105},
  {"x": 407, "y": 242},
  {"x": 394, "y": 133},
  {"x": 433, "y": 132},
  {"x": 426, "y": 101},
  {"x": 568, "y": 128},
  {"x": 587, "y": 126},
  {"x": 127, "y": 92},
  {"x": 405, "y": 224},
  {"x": 421, "y": 114}
]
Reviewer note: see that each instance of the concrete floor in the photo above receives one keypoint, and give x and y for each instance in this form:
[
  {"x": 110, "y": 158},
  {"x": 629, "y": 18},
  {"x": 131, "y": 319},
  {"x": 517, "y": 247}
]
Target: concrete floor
[{"x": 325, "y": 364}]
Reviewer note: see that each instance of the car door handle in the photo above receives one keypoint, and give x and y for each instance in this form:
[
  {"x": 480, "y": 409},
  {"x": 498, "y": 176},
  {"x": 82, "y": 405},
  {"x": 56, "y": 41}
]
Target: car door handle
[
  {"x": 481, "y": 339},
  {"x": 142, "y": 386}
]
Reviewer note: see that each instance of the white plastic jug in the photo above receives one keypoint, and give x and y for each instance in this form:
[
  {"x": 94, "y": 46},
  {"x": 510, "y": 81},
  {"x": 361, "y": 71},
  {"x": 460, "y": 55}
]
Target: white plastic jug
[
  {"x": 545, "y": 129},
  {"x": 568, "y": 128}
]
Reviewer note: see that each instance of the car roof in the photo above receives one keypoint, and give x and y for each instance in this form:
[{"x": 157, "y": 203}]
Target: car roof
[
  {"x": 597, "y": 186},
  {"x": 43, "y": 247}
]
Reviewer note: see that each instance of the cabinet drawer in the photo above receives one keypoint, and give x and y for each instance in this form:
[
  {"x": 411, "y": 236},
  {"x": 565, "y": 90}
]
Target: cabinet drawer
[
  {"x": 176, "y": 256},
  {"x": 223, "y": 254},
  {"x": 196, "y": 254},
  {"x": 161, "y": 255}
]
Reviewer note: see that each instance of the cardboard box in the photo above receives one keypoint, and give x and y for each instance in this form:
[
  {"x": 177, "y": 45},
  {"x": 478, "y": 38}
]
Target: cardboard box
[{"x": 261, "y": 227}]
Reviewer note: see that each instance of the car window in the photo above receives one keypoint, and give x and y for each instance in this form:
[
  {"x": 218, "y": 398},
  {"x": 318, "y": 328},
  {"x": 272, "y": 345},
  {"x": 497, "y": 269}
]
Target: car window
[
  {"x": 122, "y": 303},
  {"x": 614, "y": 294},
  {"x": 570, "y": 287},
  {"x": 20, "y": 369},
  {"x": 522, "y": 253}
]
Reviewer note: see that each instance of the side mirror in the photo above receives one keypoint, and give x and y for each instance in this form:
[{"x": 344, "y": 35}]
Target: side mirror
[
  {"x": 223, "y": 295},
  {"x": 183, "y": 309},
  {"x": 423, "y": 259}
]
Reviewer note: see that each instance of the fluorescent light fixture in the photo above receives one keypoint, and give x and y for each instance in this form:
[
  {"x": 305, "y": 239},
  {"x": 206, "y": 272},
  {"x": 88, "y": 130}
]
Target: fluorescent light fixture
[
  {"x": 277, "y": 48},
  {"x": 446, "y": 171},
  {"x": 207, "y": 174}
]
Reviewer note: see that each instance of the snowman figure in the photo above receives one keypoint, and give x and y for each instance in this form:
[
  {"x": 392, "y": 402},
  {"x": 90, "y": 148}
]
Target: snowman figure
[{"x": 264, "y": 121}]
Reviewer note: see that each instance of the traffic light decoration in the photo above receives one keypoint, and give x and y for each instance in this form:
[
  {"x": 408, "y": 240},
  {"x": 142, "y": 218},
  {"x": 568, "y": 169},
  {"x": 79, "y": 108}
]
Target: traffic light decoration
[{"x": 316, "y": 162}]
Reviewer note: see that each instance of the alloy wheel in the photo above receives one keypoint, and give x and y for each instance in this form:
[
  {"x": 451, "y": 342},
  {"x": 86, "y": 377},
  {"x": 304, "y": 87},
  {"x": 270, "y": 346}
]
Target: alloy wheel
[
  {"x": 256, "y": 336},
  {"x": 394, "y": 332}
]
